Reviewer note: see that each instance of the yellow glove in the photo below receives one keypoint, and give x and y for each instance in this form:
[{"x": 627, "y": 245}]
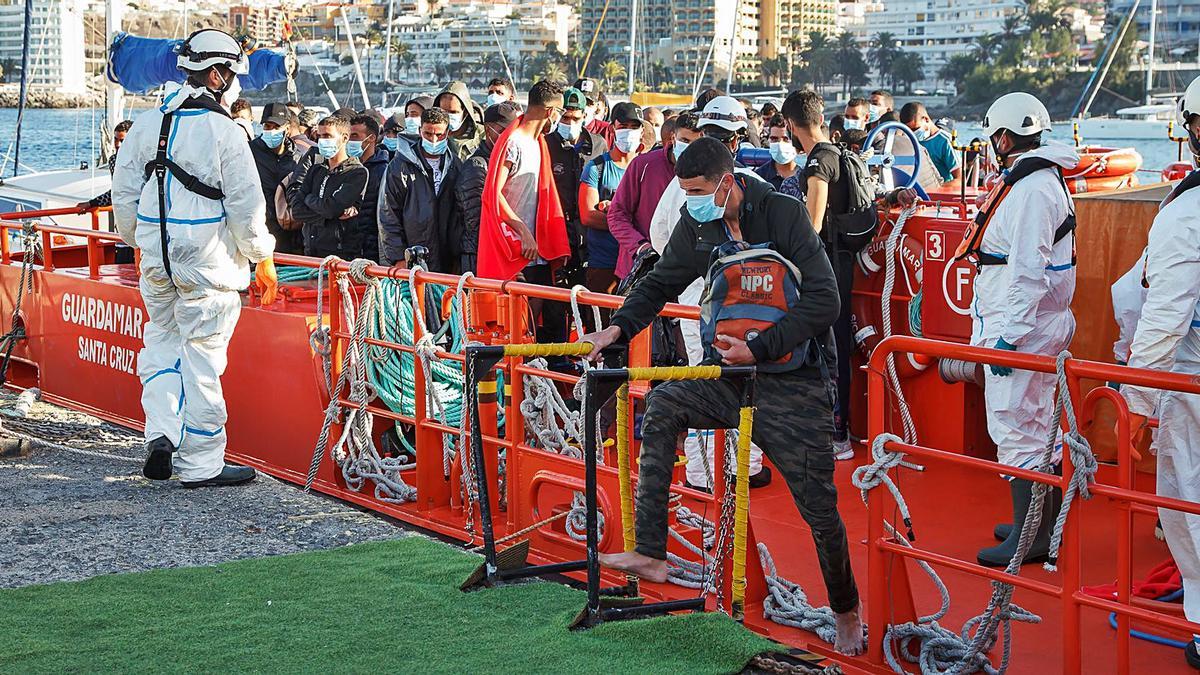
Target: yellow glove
[{"x": 266, "y": 280}]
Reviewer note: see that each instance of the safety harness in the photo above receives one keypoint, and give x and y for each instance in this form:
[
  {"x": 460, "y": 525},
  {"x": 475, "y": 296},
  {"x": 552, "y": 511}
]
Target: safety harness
[
  {"x": 973, "y": 237},
  {"x": 161, "y": 164}
]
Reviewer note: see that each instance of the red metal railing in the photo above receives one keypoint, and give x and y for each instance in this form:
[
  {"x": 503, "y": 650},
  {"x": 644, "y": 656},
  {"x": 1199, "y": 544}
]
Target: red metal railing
[
  {"x": 95, "y": 239},
  {"x": 1070, "y": 592}
]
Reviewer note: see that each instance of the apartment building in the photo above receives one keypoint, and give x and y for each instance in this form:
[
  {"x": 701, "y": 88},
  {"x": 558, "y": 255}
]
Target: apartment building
[{"x": 56, "y": 42}]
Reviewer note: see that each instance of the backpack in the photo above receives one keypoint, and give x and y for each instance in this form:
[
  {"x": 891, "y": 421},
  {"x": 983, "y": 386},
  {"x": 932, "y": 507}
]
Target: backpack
[
  {"x": 666, "y": 339},
  {"x": 748, "y": 289},
  {"x": 857, "y": 226},
  {"x": 283, "y": 210}
]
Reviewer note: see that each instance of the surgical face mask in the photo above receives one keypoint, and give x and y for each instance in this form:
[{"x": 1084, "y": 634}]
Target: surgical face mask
[
  {"x": 678, "y": 147},
  {"x": 354, "y": 148},
  {"x": 922, "y": 134},
  {"x": 783, "y": 152},
  {"x": 412, "y": 125},
  {"x": 233, "y": 89},
  {"x": 391, "y": 143},
  {"x": 658, "y": 133},
  {"x": 589, "y": 114},
  {"x": 437, "y": 149},
  {"x": 456, "y": 121},
  {"x": 569, "y": 132},
  {"x": 628, "y": 140},
  {"x": 704, "y": 207},
  {"x": 328, "y": 147},
  {"x": 874, "y": 112},
  {"x": 853, "y": 124},
  {"x": 272, "y": 137},
  {"x": 495, "y": 98}
]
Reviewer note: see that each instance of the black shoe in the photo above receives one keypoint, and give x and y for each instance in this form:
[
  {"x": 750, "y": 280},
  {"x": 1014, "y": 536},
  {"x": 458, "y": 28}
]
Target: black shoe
[
  {"x": 697, "y": 488},
  {"x": 761, "y": 479},
  {"x": 230, "y": 475},
  {"x": 158, "y": 462},
  {"x": 1039, "y": 551},
  {"x": 1191, "y": 654}
]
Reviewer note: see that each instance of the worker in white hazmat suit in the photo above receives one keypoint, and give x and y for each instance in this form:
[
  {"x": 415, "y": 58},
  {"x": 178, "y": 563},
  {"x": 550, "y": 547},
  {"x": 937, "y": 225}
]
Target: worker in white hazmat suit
[
  {"x": 1168, "y": 338},
  {"x": 186, "y": 193},
  {"x": 1024, "y": 244}
]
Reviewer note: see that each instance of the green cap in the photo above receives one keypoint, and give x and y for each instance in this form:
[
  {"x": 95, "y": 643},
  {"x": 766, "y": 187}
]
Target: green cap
[{"x": 573, "y": 99}]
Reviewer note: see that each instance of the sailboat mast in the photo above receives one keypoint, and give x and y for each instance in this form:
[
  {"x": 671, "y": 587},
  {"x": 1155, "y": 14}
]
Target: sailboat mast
[
  {"x": 632, "y": 41},
  {"x": 24, "y": 86},
  {"x": 1150, "y": 50},
  {"x": 114, "y": 99},
  {"x": 387, "y": 55},
  {"x": 737, "y": 6}
]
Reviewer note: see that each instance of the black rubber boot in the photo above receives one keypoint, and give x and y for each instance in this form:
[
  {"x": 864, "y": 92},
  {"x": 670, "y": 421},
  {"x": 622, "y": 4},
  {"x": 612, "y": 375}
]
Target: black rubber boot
[
  {"x": 1022, "y": 494},
  {"x": 1192, "y": 655},
  {"x": 230, "y": 475},
  {"x": 158, "y": 462}
]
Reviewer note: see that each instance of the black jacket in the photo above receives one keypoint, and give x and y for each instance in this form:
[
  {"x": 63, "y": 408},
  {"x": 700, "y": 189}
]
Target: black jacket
[
  {"x": 770, "y": 173},
  {"x": 273, "y": 167},
  {"x": 411, "y": 213},
  {"x": 468, "y": 191},
  {"x": 567, "y": 160},
  {"x": 766, "y": 216},
  {"x": 319, "y": 196},
  {"x": 366, "y": 223}
]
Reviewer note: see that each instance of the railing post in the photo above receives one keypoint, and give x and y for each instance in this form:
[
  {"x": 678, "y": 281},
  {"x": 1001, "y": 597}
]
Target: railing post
[
  {"x": 1069, "y": 553},
  {"x": 877, "y": 609},
  {"x": 5, "y": 252},
  {"x": 47, "y": 251}
]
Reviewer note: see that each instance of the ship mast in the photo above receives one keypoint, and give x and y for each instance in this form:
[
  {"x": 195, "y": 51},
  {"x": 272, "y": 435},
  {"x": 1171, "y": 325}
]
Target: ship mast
[
  {"x": 114, "y": 100},
  {"x": 1150, "y": 50}
]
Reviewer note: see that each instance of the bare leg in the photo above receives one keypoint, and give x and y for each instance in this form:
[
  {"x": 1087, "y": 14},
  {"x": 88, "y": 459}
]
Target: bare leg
[
  {"x": 850, "y": 639},
  {"x": 645, "y": 567}
]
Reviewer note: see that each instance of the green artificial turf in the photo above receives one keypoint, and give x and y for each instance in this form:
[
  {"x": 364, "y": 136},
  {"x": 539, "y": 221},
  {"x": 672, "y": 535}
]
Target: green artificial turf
[{"x": 384, "y": 607}]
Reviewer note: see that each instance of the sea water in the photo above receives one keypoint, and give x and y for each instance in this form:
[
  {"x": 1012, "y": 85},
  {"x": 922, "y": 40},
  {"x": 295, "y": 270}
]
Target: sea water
[{"x": 64, "y": 139}]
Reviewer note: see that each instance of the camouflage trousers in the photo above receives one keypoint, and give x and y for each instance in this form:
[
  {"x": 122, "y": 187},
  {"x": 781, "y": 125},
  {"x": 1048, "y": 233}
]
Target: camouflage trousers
[{"x": 793, "y": 424}]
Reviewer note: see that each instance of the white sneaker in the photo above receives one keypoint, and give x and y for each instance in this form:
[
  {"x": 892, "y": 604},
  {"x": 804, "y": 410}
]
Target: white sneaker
[{"x": 842, "y": 450}]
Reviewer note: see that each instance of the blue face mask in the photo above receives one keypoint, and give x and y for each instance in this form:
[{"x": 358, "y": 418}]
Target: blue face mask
[
  {"x": 354, "y": 148},
  {"x": 853, "y": 124},
  {"x": 328, "y": 147},
  {"x": 704, "y": 207},
  {"x": 391, "y": 143},
  {"x": 456, "y": 121},
  {"x": 782, "y": 152},
  {"x": 628, "y": 140},
  {"x": 412, "y": 125},
  {"x": 677, "y": 148},
  {"x": 874, "y": 112},
  {"x": 272, "y": 137},
  {"x": 922, "y": 134},
  {"x": 569, "y": 132},
  {"x": 436, "y": 149},
  {"x": 496, "y": 97}
]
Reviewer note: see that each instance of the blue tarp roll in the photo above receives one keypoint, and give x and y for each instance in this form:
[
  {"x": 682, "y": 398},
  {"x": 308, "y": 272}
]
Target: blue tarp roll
[{"x": 141, "y": 65}]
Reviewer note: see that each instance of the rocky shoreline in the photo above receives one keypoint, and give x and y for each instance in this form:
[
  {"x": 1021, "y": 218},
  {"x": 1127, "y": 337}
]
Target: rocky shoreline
[{"x": 51, "y": 99}]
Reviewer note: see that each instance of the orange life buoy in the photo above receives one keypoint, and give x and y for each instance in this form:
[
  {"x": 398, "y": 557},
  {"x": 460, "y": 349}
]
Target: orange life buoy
[
  {"x": 1079, "y": 185},
  {"x": 1098, "y": 162},
  {"x": 1176, "y": 171},
  {"x": 866, "y": 303}
]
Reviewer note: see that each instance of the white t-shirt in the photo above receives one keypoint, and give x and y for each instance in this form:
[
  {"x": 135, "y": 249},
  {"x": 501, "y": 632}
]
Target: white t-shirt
[
  {"x": 521, "y": 189},
  {"x": 438, "y": 172}
]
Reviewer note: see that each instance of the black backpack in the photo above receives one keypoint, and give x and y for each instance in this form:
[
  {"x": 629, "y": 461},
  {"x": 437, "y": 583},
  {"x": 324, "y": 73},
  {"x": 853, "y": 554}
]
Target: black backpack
[{"x": 856, "y": 227}]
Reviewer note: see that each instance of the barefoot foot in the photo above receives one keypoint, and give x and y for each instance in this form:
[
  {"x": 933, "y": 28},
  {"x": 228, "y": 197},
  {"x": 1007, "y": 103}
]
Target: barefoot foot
[
  {"x": 636, "y": 564},
  {"x": 850, "y": 640}
]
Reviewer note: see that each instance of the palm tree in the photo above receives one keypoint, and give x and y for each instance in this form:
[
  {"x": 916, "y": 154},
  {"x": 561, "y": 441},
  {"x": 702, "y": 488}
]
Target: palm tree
[
  {"x": 883, "y": 53},
  {"x": 819, "y": 59},
  {"x": 400, "y": 50},
  {"x": 909, "y": 67},
  {"x": 552, "y": 71},
  {"x": 850, "y": 64},
  {"x": 774, "y": 69},
  {"x": 373, "y": 37},
  {"x": 610, "y": 72}
]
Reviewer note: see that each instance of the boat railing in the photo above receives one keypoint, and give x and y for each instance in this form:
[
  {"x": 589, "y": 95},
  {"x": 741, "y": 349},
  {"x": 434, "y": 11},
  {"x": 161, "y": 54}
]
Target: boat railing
[
  {"x": 883, "y": 549},
  {"x": 51, "y": 234}
]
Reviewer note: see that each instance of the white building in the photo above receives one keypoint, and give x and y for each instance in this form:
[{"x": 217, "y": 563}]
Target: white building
[
  {"x": 472, "y": 33},
  {"x": 935, "y": 29},
  {"x": 56, "y": 42}
]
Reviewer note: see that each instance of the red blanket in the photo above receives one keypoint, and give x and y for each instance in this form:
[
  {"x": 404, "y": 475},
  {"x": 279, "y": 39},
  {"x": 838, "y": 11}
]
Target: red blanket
[{"x": 499, "y": 244}]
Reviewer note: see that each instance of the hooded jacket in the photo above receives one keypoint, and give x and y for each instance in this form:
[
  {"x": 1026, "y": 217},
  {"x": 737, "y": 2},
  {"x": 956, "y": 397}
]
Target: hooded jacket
[
  {"x": 366, "y": 223},
  {"x": 411, "y": 213},
  {"x": 319, "y": 196},
  {"x": 466, "y": 140},
  {"x": 766, "y": 216},
  {"x": 469, "y": 192},
  {"x": 211, "y": 243},
  {"x": 273, "y": 167}
]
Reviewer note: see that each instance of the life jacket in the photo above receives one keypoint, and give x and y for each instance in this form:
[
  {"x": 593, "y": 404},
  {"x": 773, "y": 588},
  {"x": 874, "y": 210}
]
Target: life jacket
[
  {"x": 973, "y": 237},
  {"x": 748, "y": 289}
]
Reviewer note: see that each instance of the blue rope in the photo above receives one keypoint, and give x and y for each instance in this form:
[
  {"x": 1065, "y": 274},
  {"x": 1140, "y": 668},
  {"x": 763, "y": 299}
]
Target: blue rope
[{"x": 1151, "y": 637}]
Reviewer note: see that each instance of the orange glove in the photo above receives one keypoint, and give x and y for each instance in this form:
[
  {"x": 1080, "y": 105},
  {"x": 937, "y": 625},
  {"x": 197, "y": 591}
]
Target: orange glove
[
  {"x": 266, "y": 280},
  {"x": 1137, "y": 429}
]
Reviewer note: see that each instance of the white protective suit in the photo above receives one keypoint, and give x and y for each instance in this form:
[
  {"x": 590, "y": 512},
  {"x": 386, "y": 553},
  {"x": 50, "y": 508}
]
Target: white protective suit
[
  {"x": 211, "y": 243},
  {"x": 666, "y": 217},
  {"x": 1028, "y": 303},
  {"x": 1128, "y": 296},
  {"x": 1168, "y": 339}
]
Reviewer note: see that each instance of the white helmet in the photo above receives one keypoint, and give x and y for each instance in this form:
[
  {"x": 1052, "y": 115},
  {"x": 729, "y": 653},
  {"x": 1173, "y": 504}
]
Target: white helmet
[
  {"x": 1189, "y": 103},
  {"x": 1019, "y": 113},
  {"x": 724, "y": 112},
  {"x": 210, "y": 47}
]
